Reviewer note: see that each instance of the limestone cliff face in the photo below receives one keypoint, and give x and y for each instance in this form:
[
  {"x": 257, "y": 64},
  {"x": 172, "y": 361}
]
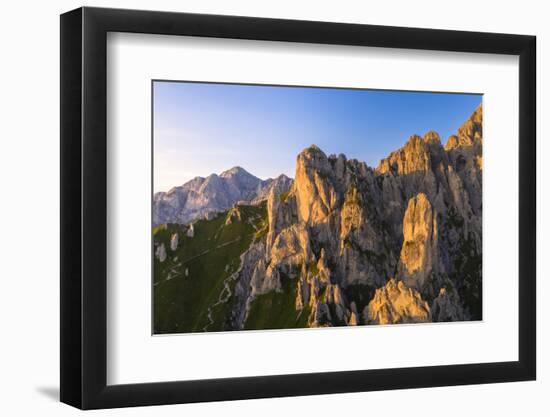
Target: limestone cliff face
[
  {"x": 396, "y": 303},
  {"x": 447, "y": 307},
  {"x": 315, "y": 193},
  {"x": 397, "y": 244},
  {"x": 469, "y": 134},
  {"x": 412, "y": 158},
  {"x": 419, "y": 257}
]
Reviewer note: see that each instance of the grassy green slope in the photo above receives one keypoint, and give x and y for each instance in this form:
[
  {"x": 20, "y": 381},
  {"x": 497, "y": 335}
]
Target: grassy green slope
[
  {"x": 276, "y": 310},
  {"x": 181, "y": 302}
]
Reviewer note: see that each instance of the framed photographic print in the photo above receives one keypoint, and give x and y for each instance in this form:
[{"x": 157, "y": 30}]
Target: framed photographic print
[{"x": 258, "y": 207}]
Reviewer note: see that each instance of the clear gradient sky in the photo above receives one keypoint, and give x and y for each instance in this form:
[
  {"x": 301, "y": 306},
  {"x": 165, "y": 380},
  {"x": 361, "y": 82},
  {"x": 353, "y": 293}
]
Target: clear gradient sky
[{"x": 201, "y": 128}]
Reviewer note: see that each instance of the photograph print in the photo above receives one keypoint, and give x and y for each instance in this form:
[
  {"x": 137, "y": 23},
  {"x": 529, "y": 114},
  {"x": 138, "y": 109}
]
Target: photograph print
[{"x": 284, "y": 207}]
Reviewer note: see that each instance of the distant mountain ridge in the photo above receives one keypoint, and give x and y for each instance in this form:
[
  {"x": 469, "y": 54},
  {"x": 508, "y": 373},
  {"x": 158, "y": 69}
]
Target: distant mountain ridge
[{"x": 202, "y": 197}]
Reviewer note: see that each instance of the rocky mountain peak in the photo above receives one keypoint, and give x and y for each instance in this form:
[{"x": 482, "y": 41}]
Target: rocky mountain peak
[
  {"x": 413, "y": 157},
  {"x": 469, "y": 134},
  {"x": 282, "y": 178},
  {"x": 313, "y": 148},
  {"x": 213, "y": 180},
  {"x": 315, "y": 193},
  {"x": 236, "y": 171},
  {"x": 204, "y": 196},
  {"x": 312, "y": 158},
  {"x": 432, "y": 136},
  {"x": 396, "y": 303}
]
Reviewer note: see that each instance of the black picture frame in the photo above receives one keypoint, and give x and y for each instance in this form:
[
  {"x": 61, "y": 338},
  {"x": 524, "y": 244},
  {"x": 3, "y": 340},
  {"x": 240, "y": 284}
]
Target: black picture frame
[{"x": 84, "y": 207}]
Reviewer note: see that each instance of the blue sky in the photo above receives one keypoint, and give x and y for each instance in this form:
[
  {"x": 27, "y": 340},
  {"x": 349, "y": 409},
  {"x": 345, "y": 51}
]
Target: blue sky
[{"x": 202, "y": 128}]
